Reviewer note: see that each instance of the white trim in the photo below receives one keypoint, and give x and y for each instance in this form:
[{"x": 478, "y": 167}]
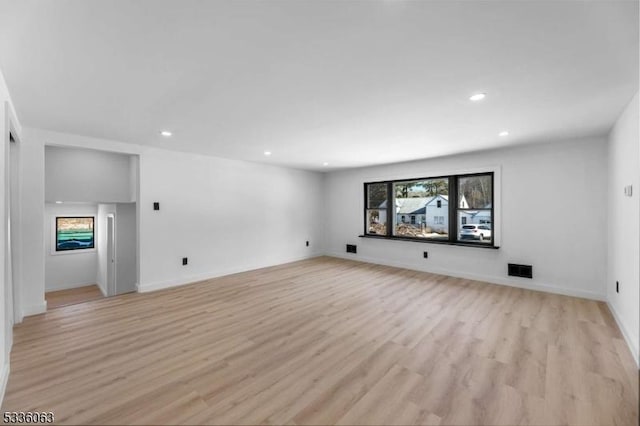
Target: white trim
[
  {"x": 4, "y": 379},
  {"x": 625, "y": 333},
  {"x": 477, "y": 277},
  {"x": 101, "y": 290},
  {"x": 112, "y": 215},
  {"x": 34, "y": 309},
  {"x": 161, "y": 285}
]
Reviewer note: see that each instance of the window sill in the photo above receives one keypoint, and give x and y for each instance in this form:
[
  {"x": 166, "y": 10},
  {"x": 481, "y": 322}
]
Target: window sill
[
  {"x": 55, "y": 252},
  {"x": 419, "y": 240}
]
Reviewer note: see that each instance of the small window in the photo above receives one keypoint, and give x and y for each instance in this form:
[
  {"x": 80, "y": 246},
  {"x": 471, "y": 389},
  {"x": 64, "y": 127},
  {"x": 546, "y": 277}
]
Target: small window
[
  {"x": 439, "y": 203},
  {"x": 377, "y": 209},
  {"x": 475, "y": 195},
  {"x": 74, "y": 233},
  {"x": 413, "y": 220}
]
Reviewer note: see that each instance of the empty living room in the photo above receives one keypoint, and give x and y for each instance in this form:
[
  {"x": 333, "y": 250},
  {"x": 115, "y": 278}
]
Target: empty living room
[{"x": 318, "y": 212}]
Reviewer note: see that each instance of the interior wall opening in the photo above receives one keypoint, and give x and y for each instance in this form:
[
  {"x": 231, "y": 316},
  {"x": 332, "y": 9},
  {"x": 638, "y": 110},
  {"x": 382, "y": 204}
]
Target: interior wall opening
[{"x": 90, "y": 225}]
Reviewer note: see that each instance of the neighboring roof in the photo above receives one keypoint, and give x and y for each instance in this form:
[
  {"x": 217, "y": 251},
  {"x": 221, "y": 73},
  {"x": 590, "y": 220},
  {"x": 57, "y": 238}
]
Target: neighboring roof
[
  {"x": 415, "y": 205},
  {"x": 444, "y": 197},
  {"x": 412, "y": 205}
]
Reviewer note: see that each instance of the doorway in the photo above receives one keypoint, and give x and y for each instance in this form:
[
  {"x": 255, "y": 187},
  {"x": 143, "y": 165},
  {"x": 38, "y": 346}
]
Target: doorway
[
  {"x": 11, "y": 293},
  {"x": 117, "y": 248},
  {"x": 101, "y": 259},
  {"x": 12, "y": 311},
  {"x": 111, "y": 255}
]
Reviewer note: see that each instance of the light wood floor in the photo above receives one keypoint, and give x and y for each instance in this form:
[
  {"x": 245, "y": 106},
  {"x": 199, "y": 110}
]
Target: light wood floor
[
  {"x": 327, "y": 341},
  {"x": 72, "y": 296}
]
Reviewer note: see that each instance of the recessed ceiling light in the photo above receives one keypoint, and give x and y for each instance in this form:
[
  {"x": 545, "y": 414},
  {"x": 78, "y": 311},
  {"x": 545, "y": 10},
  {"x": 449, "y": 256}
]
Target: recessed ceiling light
[
  {"x": 267, "y": 153},
  {"x": 325, "y": 164},
  {"x": 477, "y": 97},
  {"x": 503, "y": 133},
  {"x": 58, "y": 202},
  {"x": 166, "y": 133}
]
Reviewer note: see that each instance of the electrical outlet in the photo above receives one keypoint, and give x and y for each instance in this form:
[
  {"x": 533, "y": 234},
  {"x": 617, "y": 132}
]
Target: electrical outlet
[
  {"x": 617, "y": 287},
  {"x": 156, "y": 205},
  {"x": 425, "y": 254},
  {"x": 185, "y": 261}
]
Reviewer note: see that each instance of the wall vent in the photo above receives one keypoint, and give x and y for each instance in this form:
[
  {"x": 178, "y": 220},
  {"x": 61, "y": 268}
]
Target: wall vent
[
  {"x": 351, "y": 248},
  {"x": 523, "y": 271}
]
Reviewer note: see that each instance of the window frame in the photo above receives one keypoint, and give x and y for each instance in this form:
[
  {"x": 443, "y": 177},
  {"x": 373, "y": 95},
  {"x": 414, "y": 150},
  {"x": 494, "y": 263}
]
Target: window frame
[
  {"x": 79, "y": 250},
  {"x": 453, "y": 182}
]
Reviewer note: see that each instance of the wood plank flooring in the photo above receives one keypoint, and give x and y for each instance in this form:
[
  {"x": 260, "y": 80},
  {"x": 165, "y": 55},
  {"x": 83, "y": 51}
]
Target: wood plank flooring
[
  {"x": 71, "y": 296},
  {"x": 327, "y": 341}
]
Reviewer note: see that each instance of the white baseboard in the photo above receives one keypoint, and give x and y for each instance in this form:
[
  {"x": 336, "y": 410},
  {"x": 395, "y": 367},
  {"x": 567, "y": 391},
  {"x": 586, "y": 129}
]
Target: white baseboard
[
  {"x": 34, "y": 309},
  {"x": 625, "y": 333},
  {"x": 4, "y": 378},
  {"x": 478, "y": 277},
  {"x": 145, "y": 288},
  {"x": 19, "y": 315},
  {"x": 102, "y": 290}
]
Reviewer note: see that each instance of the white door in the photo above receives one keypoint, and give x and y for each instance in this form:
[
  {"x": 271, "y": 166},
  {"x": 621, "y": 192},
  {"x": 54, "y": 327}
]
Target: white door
[{"x": 111, "y": 255}]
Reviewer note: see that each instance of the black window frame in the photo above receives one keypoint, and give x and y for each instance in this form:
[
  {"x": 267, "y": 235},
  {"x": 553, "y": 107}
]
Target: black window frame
[
  {"x": 93, "y": 231},
  {"x": 453, "y": 182}
]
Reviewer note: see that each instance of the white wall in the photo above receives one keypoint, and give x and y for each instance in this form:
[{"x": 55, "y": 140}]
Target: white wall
[
  {"x": 32, "y": 223},
  {"x": 126, "y": 247},
  {"x": 7, "y": 120},
  {"x": 552, "y": 215},
  {"x": 226, "y": 216},
  {"x": 88, "y": 175},
  {"x": 71, "y": 269},
  {"x": 133, "y": 178},
  {"x": 624, "y": 224}
]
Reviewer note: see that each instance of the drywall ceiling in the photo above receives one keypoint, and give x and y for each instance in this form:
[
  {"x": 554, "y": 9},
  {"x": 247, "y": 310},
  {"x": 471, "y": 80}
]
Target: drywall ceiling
[{"x": 350, "y": 83}]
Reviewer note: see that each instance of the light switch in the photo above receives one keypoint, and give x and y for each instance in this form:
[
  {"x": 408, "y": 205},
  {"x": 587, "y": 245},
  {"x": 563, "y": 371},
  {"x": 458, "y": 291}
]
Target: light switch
[{"x": 628, "y": 190}]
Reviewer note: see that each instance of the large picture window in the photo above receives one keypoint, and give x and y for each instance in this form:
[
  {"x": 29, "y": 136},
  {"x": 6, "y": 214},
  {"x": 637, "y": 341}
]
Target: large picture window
[
  {"x": 455, "y": 209},
  {"x": 74, "y": 233}
]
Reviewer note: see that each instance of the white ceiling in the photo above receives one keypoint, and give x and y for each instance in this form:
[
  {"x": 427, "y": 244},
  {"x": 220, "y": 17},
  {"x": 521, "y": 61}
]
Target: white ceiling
[{"x": 351, "y": 83}]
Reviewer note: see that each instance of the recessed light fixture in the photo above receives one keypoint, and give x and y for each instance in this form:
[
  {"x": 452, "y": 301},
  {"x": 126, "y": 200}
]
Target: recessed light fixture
[
  {"x": 267, "y": 153},
  {"x": 166, "y": 133},
  {"x": 325, "y": 164},
  {"x": 503, "y": 133},
  {"x": 58, "y": 202},
  {"x": 477, "y": 97}
]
